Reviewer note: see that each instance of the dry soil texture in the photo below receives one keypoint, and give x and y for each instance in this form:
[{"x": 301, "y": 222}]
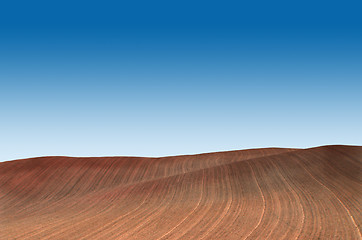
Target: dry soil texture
[{"x": 250, "y": 194}]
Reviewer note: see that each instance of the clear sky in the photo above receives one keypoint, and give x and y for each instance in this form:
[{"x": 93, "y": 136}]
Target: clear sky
[{"x": 157, "y": 78}]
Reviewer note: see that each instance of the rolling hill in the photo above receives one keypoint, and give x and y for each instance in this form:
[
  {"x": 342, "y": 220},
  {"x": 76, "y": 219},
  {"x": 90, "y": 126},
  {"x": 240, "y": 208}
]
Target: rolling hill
[{"x": 270, "y": 193}]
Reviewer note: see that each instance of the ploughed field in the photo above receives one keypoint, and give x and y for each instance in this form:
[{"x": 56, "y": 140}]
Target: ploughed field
[{"x": 269, "y": 193}]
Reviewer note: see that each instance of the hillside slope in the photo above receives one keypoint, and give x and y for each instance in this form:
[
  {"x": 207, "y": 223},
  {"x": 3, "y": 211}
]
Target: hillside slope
[{"x": 267, "y": 193}]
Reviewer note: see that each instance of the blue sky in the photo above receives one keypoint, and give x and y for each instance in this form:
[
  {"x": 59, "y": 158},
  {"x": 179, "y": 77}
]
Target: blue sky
[{"x": 157, "y": 78}]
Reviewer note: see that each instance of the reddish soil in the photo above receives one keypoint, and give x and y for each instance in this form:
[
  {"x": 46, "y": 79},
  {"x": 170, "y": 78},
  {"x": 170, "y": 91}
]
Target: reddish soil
[{"x": 250, "y": 194}]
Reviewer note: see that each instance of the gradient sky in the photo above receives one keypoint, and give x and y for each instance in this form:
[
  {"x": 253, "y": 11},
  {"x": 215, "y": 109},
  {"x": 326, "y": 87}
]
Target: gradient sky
[{"x": 157, "y": 78}]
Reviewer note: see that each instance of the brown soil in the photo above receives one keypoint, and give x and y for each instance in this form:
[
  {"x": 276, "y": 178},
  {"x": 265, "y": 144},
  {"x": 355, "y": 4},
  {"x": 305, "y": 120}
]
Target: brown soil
[{"x": 250, "y": 194}]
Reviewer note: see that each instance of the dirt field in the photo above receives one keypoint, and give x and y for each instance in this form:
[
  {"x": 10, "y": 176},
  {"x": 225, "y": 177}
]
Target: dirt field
[{"x": 250, "y": 194}]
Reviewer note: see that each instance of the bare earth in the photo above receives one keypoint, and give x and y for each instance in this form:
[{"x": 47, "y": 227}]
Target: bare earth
[{"x": 250, "y": 194}]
